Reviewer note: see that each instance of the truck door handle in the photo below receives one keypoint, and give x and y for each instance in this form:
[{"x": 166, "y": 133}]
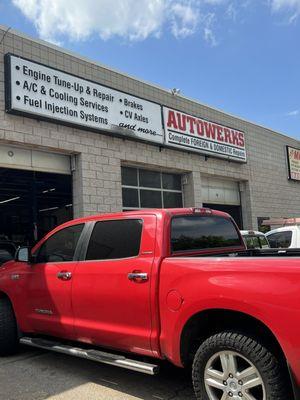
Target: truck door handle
[
  {"x": 64, "y": 275},
  {"x": 138, "y": 276}
]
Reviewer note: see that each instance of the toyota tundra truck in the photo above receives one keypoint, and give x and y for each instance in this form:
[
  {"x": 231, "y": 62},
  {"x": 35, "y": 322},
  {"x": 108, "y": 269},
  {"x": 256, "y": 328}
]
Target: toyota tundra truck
[{"x": 132, "y": 288}]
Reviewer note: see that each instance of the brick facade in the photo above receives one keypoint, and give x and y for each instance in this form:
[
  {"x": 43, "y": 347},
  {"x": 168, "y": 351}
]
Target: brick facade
[{"x": 265, "y": 189}]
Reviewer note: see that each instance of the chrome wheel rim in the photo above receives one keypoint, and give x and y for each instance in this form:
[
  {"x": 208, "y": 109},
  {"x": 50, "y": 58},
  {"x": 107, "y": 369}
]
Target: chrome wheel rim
[{"x": 230, "y": 376}]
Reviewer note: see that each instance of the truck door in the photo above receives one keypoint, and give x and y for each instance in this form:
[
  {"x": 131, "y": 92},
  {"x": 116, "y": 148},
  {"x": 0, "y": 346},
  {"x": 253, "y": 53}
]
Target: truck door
[
  {"x": 50, "y": 283},
  {"x": 111, "y": 287}
]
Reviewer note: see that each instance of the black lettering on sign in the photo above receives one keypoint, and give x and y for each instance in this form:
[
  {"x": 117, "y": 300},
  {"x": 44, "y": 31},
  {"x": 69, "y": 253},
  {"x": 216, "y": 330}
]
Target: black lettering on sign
[
  {"x": 93, "y": 118},
  {"x": 32, "y": 102},
  {"x": 93, "y": 104},
  {"x": 133, "y": 104},
  {"x": 30, "y": 86},
  {"x": 78, "y": 87},
  {"x": 103, "y": 96},
  {"x": 127, "y": 126},
  {"x": 147, "y": 131},
  {"x": 140, "y": 117},
  {"x": 36, "y": 75},
  {"x": 61, "y": 82}
]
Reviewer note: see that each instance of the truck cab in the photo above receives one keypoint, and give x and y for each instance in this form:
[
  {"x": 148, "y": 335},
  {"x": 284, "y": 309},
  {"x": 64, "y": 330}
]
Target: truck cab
[
  {"x": 255, "y": 239},
  {"x": 287, "y": 236}
]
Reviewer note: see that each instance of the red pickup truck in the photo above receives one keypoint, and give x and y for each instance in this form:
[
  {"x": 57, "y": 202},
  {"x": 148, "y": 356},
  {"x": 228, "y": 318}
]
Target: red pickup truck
[{"x": 172, "y": 284}]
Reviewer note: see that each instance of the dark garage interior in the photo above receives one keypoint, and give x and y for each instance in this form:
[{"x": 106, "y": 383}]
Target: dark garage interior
[
  {"x": 234, "y": 211},
  {"x": 31, "y": 204}
]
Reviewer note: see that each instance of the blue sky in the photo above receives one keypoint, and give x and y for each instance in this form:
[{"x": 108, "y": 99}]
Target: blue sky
[{"x": 240, "y": 56}]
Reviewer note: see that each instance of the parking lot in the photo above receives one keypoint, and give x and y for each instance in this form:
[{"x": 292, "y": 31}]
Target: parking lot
[{"x": 38, "y": 375}]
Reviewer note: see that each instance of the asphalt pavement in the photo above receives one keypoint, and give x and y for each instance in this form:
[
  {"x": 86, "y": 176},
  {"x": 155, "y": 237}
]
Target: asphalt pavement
[{"x": 38, "y": 375}]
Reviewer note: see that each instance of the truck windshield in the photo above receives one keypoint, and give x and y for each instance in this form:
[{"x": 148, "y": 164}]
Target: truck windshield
[
  {"x": 203, "y": 232},
  {"x": 256, "y": 242},
  {"x": 252, "y": 242}
]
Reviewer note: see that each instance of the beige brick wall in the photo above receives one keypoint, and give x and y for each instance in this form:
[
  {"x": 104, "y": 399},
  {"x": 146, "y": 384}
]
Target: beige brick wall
[{"x": 97, "y": 179}]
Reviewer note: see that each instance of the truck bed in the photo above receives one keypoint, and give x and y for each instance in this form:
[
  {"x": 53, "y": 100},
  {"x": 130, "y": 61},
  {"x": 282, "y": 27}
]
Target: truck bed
[
  {"x": 270, "y": 253},
  {"x": 252, "y": 253}
]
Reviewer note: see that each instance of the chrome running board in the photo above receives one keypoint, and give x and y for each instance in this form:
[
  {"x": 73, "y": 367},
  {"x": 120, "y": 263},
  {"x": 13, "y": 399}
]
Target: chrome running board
[{"x": 92, "y": 354}]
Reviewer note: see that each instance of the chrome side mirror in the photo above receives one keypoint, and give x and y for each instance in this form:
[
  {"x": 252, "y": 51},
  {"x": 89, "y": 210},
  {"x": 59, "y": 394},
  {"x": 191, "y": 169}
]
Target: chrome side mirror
[{"x": 22, "y": 254}]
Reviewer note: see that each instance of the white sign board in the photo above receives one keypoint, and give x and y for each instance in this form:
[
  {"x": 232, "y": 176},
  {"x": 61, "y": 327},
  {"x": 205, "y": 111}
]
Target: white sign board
[
  {"x": 293, "y": 163},
  {"x": 43, "y": 92},
  {"x": 195, "y": 134}
]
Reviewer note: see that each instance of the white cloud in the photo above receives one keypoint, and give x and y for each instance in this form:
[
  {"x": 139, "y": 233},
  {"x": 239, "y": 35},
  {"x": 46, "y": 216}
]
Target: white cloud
[
  {"x": 281, "y": 4},
  {"x": 293, "y": 17},
  {"x": 79, "y": 19},
  {"x": 129, "y": 19},
  {"x": 290, "y": 6},
  {"x": 232, "y": 12},
  {"x": 132, "y": 20},
  {"x": 184, "y": 20},
  {"x": 292, "y": 113},
  {"x": 213, "y": 2},
  {"x": 209, "y": 35}
]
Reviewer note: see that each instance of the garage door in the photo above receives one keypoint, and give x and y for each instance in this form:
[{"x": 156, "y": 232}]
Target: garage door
[
  {"x": 220, "y": 191},
  {"x": 34, "y": 160}
]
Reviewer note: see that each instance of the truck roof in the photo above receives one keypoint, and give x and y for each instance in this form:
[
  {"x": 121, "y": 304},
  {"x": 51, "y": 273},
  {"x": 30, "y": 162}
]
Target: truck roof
[
  {"x": 160, "y": 212},
  {"x": 151, "y": 211},
  {"x": 252, "y": 233},
  {"x": 284, "y": 229}
]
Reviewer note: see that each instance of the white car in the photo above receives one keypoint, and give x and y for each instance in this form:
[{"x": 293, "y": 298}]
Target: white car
[
  {"x": 284, "y": 237},
  {"x": 255, "y": 240}
]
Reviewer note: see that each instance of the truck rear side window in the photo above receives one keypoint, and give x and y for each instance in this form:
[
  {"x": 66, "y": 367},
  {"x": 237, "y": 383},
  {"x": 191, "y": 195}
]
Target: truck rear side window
[
  {"x": 115, "y": 239},
  {"x": 203, "y": 232}
]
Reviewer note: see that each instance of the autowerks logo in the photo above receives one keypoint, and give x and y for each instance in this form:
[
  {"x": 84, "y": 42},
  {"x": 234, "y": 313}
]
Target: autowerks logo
[{"x": 196, "y": 134}]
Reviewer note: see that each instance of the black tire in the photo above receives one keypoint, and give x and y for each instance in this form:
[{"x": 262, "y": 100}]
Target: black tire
[
  {"x": 275, "y": 384},
  {"x": 8, "y": 328}
]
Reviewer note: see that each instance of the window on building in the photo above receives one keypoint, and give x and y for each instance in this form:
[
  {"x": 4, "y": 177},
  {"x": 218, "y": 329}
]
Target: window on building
[
  {"x": 263, "y": 228},
  {"x": 61, "y": 246},
  {"x": 142, "y": 188},
  {"x": 115, "y": 239},
  {"x": 280, "y": 239},
  {"x": 198, "y": 233}
]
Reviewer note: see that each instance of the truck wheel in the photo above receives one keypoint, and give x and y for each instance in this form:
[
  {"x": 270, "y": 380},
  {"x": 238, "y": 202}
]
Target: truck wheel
[
  {"x": 230, "y": 365},
  {"x": 8, "y": 328}
]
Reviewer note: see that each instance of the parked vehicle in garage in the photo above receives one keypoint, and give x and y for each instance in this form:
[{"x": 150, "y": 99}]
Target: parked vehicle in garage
[
  {"x": 174, "y": 284},
  {"x": 255, "y": 239}
]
